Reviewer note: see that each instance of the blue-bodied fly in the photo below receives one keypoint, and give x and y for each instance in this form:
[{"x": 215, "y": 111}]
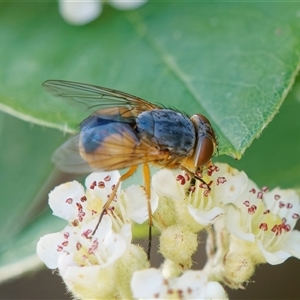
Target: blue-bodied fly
[{"x": 125, "y": 131}]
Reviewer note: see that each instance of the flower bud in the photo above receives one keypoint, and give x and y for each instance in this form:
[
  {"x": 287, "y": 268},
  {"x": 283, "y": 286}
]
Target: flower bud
[{"x": 178, "y": 245}]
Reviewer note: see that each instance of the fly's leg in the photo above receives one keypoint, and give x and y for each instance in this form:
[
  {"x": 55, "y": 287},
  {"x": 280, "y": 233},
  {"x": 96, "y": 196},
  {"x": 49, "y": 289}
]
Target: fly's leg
[
  {"x": 195, "y": 176},
  {"x": 129, "y": 173},
  {"x": 147, "y": 181}
]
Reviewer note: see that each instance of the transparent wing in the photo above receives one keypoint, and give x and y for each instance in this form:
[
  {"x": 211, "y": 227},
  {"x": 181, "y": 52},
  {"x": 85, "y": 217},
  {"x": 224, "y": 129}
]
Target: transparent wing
[
  {"x": 112, "y": 152},
  {"x": 68, "y": 159},
  {"x": 92, "y": 98}
]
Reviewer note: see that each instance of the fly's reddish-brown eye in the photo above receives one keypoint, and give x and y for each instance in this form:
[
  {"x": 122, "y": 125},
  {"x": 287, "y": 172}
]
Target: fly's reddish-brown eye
[{"x": 206, "y": 140}]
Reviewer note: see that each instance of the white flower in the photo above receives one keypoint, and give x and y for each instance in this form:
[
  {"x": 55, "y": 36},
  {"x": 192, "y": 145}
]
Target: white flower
[
  {"x": 267, "y": 219},
  {"x": 177, "y": 185},
  {"x": 91, "y": 263},
  {"x": 81, "y": 12},
  {"x": 257, "y": 227},
  {"x": 150, "y": 284}
]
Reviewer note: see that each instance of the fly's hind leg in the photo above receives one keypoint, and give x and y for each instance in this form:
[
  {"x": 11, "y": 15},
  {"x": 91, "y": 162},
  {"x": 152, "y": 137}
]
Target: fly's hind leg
[
  {"x": 129, "y": 173},
  {"x": 147, "y": 182}
]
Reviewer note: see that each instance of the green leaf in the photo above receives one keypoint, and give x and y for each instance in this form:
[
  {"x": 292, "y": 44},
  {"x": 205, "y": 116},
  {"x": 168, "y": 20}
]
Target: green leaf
[
  {"x": 25, "y": 167},
  {"x": 273, "y": 159},
  {"x": 233, "y": 62}
]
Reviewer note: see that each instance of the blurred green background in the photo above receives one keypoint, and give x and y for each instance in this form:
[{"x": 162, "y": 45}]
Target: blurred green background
[{"x": 235, "y": 62}]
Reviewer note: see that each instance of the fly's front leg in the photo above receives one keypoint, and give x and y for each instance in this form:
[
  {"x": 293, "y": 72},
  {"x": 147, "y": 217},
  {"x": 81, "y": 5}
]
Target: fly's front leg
[
  {"x": 129, "y": 173},
  {"x": 147, "y": 181}
]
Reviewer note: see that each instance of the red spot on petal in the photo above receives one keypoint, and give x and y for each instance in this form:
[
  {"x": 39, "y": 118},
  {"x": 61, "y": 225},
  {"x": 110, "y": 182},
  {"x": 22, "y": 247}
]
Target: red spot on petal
[
  {"x": 80, "y": 216},
  {"x": 93, "y": 185},
  {"x": 198, "y": 174},
  {"x": 212, "y": 169},
  {"x": 107, "y": 178},
  {"x": 79, "y": 207},
  {"x": 87, "y": 233},
  {"x": 181, "y": 179},
  {"x": 221, "y": 180},
  {"x": 192, "y": 189},
  {"x": 252, "y": 209},
  {"x": 170, "y": 291},
  {"x": 83, "y": 199},
  {"x": 260, "y": 195},
  {"x": 78, "y": 246},
  {"x": 276, "y": 229},
  {"x": 263, "y": 226},
  {"x": 59, "y": 248},
  {"x": 187, "y": 176},
  {"x": 206, "y": 193},
  {"x": 246, "y": 203},
  {"x": 111, "y": 208},
  {"x": 280, "y": 228},
  {"x": 69, "y": 201},
  {"x": 101, "y": 184},
  {"x": 94, "y": 247},
  {"x": 65, "y": 243}
]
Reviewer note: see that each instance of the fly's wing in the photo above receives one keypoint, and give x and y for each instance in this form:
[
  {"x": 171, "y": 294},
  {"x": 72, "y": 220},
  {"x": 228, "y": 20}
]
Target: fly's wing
[
  {"x": 67, "y": 158},
  {"x": 119, "y": 149},
  {"x": 93, "y": 98},
  {"x": 103, "y": 147}
]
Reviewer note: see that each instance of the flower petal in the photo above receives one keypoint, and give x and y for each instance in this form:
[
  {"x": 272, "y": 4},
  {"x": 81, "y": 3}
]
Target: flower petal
[
  {"x": 111, "y": 245},
  {"x": 214, "y": 290},
  {"x": 141, "y": 288},
  {"x": 65, "y": 260},
  {"x": 229, "y": 184},
  {"x": 47, "y": 249},
  {"x": 136, "y": 203},
  {"x": 273, "y": 258},
  {"x": 63, "y": 199},
  {"x": 101, "y": 184},
  {"x": 80, "y": 12},
  {"x": 292, "y": 244},
  {"x": 127, "y": 4},
  {"x": 164, "y": 183},
  {"x": 234, "y": 224},
  {"x": 205, "y": 217},
  {"x": 194, "y": 285}
]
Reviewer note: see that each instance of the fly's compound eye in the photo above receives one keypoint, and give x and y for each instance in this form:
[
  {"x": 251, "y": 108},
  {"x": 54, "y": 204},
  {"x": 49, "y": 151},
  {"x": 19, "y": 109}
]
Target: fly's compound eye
[{"x": 206, "y": 140}]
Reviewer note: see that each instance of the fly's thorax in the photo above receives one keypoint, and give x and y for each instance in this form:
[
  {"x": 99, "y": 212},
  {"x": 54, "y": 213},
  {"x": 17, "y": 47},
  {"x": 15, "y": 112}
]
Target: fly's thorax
[
  {"x": 169, "y": 130},
  {"x": 206, "y": 143}
]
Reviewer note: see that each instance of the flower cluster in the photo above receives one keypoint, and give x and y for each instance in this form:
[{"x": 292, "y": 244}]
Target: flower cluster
[
  {"x": 81, "y": 12},
  {"x": 96, "y": 265},
  {"x": 249, "y": 225},
  {"x": 246, "y": 226}
]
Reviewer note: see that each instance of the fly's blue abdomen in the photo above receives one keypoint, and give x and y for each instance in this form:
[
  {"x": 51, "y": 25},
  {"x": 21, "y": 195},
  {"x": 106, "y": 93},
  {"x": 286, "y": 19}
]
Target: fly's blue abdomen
[
  {"x": 95, "y": 131},
  {"x": 169, "y": 129}
]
